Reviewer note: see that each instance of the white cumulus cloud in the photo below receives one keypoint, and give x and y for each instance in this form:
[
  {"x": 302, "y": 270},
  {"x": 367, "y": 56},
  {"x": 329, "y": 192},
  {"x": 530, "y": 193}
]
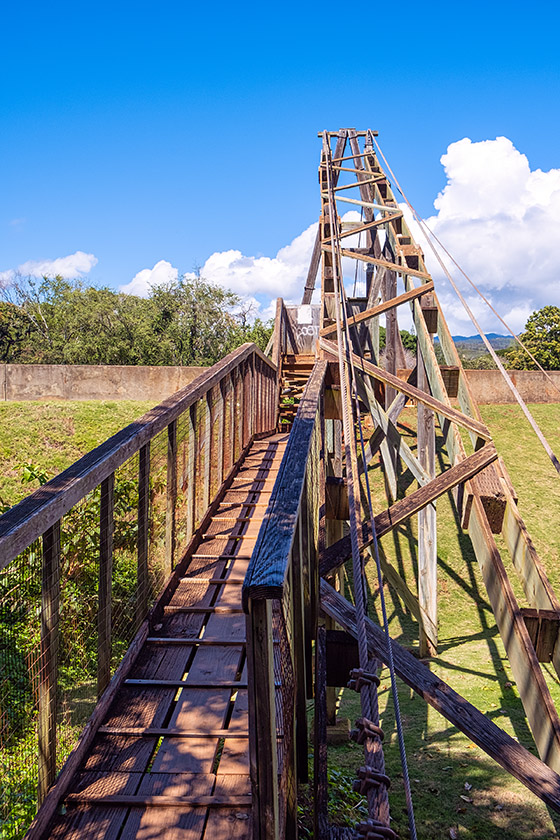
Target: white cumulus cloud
[
  {"x": 280, "y": 276},
  {"x": 500, "y": 221},
  {"x": 70, "y": 267},
  {"x": 162, "y": 272}
]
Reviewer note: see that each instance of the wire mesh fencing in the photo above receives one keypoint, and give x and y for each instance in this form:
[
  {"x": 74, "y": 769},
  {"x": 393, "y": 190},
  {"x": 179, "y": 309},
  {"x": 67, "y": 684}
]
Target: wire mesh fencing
[{"x": 83, "y": 559}]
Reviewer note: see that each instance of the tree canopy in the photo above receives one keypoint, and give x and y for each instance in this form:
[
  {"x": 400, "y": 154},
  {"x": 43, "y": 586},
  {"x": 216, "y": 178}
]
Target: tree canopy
[
  {"x": 58, "y": 321},
  {"x": 542, "y": 337}
]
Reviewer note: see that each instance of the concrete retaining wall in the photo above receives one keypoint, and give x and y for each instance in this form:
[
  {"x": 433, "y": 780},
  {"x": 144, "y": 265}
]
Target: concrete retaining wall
[
  {"x": 93, "y": 382},
  {"x": 128, "y": 382},
  {"x": 488, "y": 386}
]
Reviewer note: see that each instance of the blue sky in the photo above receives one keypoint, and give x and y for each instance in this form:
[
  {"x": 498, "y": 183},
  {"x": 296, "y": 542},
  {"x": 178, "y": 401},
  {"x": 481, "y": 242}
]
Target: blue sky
[{"x": 141, "y": 132}]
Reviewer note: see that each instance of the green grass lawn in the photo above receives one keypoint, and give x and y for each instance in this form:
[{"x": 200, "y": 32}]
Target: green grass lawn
[
  {"x": 456, "y": 787},
  {"x": 53, "y": 435}
]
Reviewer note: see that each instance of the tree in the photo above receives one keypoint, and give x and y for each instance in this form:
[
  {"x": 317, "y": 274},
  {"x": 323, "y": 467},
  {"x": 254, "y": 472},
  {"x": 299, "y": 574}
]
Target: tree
[
  {"x": 542, "y": 337},
  {"x": 186, "y": 322}
]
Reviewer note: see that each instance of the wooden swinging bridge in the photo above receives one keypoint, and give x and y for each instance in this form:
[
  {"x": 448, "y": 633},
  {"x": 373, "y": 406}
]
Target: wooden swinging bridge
[{"x": 202, "y": 729}]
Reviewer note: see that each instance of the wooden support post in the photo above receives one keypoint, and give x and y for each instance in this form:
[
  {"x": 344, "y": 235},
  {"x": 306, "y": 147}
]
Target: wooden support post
[
  {"x": 298, "y": 646},
  {"x": 334, "y": 528},
  {"x": 143, "y": 538},
  {"x": 220, "y": 436},
  {"x": 48, "y": 677},
  {"x": 207, "y": 453},
  {"x": 390, "y": 291},
  {"x": 106, "y": 531},
  {"x": 427, "y": 534},
  {"x": 320, "y": 778},
  {"x": 191, "y": 472},
  {"x": 171, "y": 497},
  {"x": 262, "y": 721}
]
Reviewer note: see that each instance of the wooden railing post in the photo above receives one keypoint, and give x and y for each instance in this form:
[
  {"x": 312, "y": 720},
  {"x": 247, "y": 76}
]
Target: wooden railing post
[
  {"x": 217, "y": 438},
  {"x": 106, "y": 531},
  {"x": 191, "y": 471},
  {"x": 221, "y": 460},
  {"x": 171, "y": 497},
  {"x": 47, "y": 699},
  {"x": 239, "y": 404},
  {"x": 259, "y": 396},
  {"x": 299, "y": 653},
  {"x": 320, "y": 778},
  {"x": 142, "y": 580},
  {"x": 246, "y": 404},
  {"x": 262, "y": 720},
  {"x": 206, "y": 448}
]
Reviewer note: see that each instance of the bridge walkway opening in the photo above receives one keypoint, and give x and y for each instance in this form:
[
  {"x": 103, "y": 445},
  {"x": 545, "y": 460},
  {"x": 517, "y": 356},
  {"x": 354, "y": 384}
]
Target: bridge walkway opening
[{"x": 172, "y": 756}]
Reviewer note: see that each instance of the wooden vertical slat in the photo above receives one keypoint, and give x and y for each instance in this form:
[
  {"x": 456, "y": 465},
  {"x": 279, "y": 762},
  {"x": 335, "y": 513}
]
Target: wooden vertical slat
[
  {"x": 142, "y": 580},
  {"x": 262, "y": 721},
  {"x": 106, "y": 531},
  {"x": 48, "y": 678},
  {"x": 171, "y": 497}
]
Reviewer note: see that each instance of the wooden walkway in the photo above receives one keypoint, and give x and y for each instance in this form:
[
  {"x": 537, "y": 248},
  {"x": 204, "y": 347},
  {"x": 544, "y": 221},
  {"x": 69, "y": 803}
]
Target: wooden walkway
[{"x": 172, "y": 755}]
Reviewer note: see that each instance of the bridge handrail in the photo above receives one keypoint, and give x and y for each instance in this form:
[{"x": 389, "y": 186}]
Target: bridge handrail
[
  {"x": 35, "y": 514},
  {"x": 269, "y": 564},
  {"x": 280, "y": 598}
]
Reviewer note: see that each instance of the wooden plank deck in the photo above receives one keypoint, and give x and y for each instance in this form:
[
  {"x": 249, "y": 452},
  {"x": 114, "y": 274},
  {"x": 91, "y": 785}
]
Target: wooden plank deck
[{"x": 193, "y": 784}]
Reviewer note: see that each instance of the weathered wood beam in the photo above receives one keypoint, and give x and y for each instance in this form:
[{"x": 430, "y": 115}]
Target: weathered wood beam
[
  {"x": 527, "y": 673},
  {"x": 505, "y": 750},
  {"x": 358, "y": 183},
  {"x": 379, "y": 309},
  {"x": 327, "y": 244},
  {"x": 365, "y": 367},
  {"x": 388, "y": 519},
  {"x": 427, "y": 531},
  {"x": 356, "y": 254},
  {"x": 390, "y": 436}
]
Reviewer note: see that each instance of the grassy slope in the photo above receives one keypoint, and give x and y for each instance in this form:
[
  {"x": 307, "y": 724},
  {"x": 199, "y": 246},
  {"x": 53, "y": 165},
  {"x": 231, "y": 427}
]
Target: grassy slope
[
  {"x": 471, "y": 658},
  {"x": 54, "y": 435}
]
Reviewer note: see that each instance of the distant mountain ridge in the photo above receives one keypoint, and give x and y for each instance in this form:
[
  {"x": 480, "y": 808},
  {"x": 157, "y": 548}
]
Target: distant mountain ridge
[
  {"x": 491, "y": 336},
  {"x": 472, "y": 346}
]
